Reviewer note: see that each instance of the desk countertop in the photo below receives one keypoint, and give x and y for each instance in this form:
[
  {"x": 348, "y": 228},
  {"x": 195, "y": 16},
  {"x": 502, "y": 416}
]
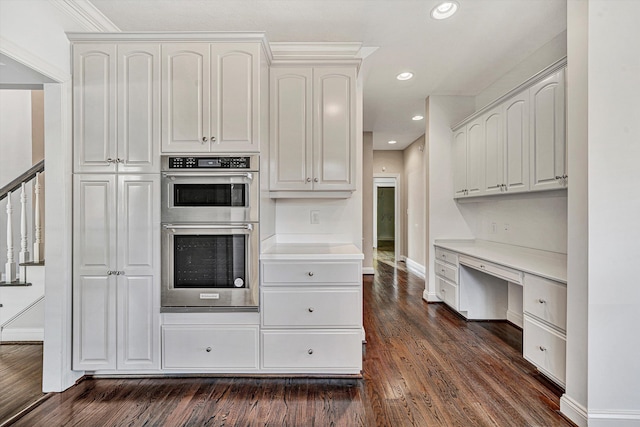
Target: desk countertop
[{"x": 551, "y": 265}]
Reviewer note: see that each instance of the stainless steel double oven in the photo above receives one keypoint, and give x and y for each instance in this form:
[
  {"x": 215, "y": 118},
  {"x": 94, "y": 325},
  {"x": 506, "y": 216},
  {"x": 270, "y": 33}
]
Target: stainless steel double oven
[{"x": 210, "y": 232}]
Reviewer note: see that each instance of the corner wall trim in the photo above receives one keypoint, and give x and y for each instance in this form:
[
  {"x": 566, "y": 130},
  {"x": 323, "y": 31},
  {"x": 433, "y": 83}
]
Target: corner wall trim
[
  {"x": 417, "y": 269},
  {"x": 573, "y": 411},
  {"x": 430, "y": 296},
  {"x": 368, "y": 270}
]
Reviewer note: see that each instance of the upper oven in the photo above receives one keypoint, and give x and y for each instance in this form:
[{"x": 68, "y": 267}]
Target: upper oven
[{"x": 210, "y": 189}]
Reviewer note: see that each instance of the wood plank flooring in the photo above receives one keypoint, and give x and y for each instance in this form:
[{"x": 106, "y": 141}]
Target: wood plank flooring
[
  {"x": 20, "y": 377},
  {"x": 423, "y": 366}
]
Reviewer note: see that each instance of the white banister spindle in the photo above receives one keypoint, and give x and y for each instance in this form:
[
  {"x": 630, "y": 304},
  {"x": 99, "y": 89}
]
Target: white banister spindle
[
  {"x": 10, "y": 266},
  {"x": 37, "y": 238},
  {"x": 24, "y": 245}
]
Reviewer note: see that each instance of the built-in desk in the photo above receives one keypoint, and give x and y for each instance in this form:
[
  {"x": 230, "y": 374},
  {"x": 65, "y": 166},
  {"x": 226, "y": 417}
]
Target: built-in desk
[{"x": 491, "y": 281}]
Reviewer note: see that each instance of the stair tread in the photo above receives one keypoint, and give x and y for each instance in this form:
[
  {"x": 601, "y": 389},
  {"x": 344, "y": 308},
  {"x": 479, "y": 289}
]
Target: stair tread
[{"x": 29, "y": 264}]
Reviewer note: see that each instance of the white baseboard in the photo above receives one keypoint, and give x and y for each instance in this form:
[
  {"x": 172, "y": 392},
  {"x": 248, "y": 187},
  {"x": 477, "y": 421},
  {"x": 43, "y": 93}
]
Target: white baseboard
[
  {"x": 614, "y": 419},
  {"x": 417, "y": 269},
  {"x": 430, "y": 296},
  {"x": 22, "y": 334},
  {"x": 368, "y": 270},
  {"x": 573, "y": 410},
  {"x": 515, "y": 318}
]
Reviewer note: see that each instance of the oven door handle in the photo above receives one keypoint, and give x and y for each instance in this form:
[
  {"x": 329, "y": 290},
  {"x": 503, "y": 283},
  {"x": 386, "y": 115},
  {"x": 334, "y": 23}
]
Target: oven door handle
[
  {"x": 208, "y": 226},
  {"x": 247, "y": 175}
]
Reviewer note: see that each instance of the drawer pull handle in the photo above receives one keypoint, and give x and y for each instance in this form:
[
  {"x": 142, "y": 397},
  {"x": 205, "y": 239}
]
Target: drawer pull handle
[
  {"x": 482, "y": 266},
  {"x": 542, "y": 348},
  {"x": 208, "y": 349},
  {"x": 310, "y": 309},
  {"x": 310, "y": 274},
  {"x": 310, "y": 351},
  {"x": 541, "y": 301},
  {"x": 442, "y": 270},
  {"x": 444, "y": 255}
]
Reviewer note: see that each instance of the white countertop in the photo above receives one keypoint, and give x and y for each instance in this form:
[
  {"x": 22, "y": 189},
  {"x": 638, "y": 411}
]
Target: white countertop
[
  {"x": 315, "y": 251},
  {"x": 551, "y": 265}
]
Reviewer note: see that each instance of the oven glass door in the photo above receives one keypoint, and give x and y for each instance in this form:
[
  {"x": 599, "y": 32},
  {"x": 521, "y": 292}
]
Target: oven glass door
[
  {"x": 210, "y": 197},
  {"x": 210, "y": 265}
]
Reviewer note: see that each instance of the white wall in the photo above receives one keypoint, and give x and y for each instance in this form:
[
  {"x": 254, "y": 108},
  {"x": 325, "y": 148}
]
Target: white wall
[
  {"x": 444, "y": 218},
  {"x": 614, "y": 209},
  {"x": 367, "y": 202},
  {"x": 535, "y": 220},
  {"x": 415, "y": 202}
]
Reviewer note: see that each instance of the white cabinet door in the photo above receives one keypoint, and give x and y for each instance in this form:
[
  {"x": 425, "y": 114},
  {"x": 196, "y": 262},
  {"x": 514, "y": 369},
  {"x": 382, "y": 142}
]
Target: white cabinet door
[
  {"x": 460, "y": 162},
  {"x": 94, "y": 107},
  {"x": 185, "y": 97},
  {"x": 94, "y": 294},
  {"x": 234, "y": 97},
  {"x": 494, "y": 152},
  {"x": 291, "y": 124},
  {"x": 547, "y": 133},
  {"x": 138, "y": 107},
  {"x": 515, "y": 114},
  {"x": 334, "y": 131},
  {"x": 475, "y": 157}
]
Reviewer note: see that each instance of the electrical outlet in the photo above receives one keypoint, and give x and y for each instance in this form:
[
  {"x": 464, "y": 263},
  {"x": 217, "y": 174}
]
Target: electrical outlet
[
  {"x": 315, "y": 217},
  {"x": 506, "y": 227},
  {"x": 494, "y": 228}
]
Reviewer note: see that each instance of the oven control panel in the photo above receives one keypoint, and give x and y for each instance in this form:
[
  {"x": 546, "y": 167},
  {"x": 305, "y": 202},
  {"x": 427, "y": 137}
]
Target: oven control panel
[{"x": 222, "y": 162}]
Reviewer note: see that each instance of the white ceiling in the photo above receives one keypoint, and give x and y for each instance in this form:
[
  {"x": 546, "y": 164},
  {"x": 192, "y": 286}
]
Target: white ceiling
[{"x": 459, "y": 56}]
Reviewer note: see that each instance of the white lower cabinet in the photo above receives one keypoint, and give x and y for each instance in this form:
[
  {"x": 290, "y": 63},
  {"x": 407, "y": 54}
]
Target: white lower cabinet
[
  {"x": 447, "y": 292},
  {"x": 311, "y": 318},
  {"x": 318, "y": 351},
  {"x": 210, "y": 347},
  {"x": 545, "y": 348},
  {"x": 116, "y": 280}
]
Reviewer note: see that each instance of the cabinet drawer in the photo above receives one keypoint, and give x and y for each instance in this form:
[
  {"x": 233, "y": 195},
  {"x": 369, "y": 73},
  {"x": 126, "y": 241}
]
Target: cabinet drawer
[
  {"x": 447, "y": 271},
  {"x": 312, "y": 307},
  {"x": 209, "y": 347},
  {"x": 312, "y": 349},
  {"x": 500, "y": 271},
  {"x": 545, "y": 348},
  {"x": 311, "y": 272},
  {"x": 546, "y": 300},
  {"x": 447, "y": 256},
  {"x": 447, "y": 292}
]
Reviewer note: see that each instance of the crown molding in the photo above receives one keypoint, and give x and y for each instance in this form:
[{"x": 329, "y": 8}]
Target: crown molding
[
  {"x": 304, "y": 51},
  {"x": 86, "y": 14},
  {"x": 26, "y": 58}
]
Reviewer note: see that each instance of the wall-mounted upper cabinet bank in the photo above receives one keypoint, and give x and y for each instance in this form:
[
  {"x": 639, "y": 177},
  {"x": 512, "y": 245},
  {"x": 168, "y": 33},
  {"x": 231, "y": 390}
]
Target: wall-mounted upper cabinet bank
[
  {"x": 210, "y": 97},
  {"x": 517, "y": 145},
  {"x": 116, "y": 107},
  {"x": 313, "y": 131}
]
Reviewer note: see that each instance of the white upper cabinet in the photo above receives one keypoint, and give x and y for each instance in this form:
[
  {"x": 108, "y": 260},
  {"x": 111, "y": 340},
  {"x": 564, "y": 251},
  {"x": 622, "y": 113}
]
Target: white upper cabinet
[
  {"x": 291, "y": 126},
  {"x": 313, "y": 128},
  {"x": 210, "y": 97},
  {"x": 547, "y": 130},
  {"x": 517, "y": 145},
  {"x": 116, "y": 107}
]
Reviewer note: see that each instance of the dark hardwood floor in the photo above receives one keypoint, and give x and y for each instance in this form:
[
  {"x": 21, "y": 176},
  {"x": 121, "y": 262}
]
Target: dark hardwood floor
[
  {"x": 423, "y": 366},
  {"x": 20, "y": 377}
]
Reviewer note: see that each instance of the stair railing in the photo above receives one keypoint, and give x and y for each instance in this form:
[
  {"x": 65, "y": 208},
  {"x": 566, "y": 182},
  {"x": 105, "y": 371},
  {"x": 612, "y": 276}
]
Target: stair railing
[{"x": 11, "y": 267}]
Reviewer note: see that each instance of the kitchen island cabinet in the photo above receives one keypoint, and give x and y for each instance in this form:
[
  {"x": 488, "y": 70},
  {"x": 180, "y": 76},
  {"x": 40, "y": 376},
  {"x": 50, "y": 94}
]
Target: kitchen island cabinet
[{"x": 311, "y": 317}]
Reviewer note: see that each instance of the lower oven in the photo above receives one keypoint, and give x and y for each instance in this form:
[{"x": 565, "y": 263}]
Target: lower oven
[{"x": 210, "y": 265}]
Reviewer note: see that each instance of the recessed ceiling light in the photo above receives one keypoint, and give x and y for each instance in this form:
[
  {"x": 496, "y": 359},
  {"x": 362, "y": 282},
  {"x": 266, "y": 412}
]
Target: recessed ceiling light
[
  {"x": 404, "y": 76},
  {"x": 417, "y": 117},
  {"x": 392, "y": 142},
  {"x": 444, "y": 10}
]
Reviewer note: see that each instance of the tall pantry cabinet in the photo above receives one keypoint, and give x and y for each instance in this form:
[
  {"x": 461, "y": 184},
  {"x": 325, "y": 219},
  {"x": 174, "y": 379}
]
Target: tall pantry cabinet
[{"x": 116, "y": 212}]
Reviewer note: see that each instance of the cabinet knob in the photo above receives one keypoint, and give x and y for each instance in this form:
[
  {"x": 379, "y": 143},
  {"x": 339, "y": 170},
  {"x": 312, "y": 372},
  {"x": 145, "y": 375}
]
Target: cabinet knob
[
  {"x": 310, "y": 274},
  {"x": 541, "y": 301},
  {"x": 315, "y": 179},
  {"x": 558, "y": 177},
  {"x": 208, "y": 349},
  {"x": 109, "y": 273},
  {"x": 310, "y": 309},
  {"x": 308, "y": 179},
  {"x": 204, "y": 139},
  {"x": 110, "y": 160},
  {"x": 442, "y": 271},
  {"x": 213, "y": 139},
  {"x": 310, "y": 351},
  {"x": 542, "y": 348},
  {"x": 482, "y": 266}
]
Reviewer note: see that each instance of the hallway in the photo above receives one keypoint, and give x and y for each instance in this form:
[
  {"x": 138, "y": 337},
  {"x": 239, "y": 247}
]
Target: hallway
[{"x": 423, "y": 366}]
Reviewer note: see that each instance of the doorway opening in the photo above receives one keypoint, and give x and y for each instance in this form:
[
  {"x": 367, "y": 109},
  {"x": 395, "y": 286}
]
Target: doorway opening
[{"x": 386, "y": 220}]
